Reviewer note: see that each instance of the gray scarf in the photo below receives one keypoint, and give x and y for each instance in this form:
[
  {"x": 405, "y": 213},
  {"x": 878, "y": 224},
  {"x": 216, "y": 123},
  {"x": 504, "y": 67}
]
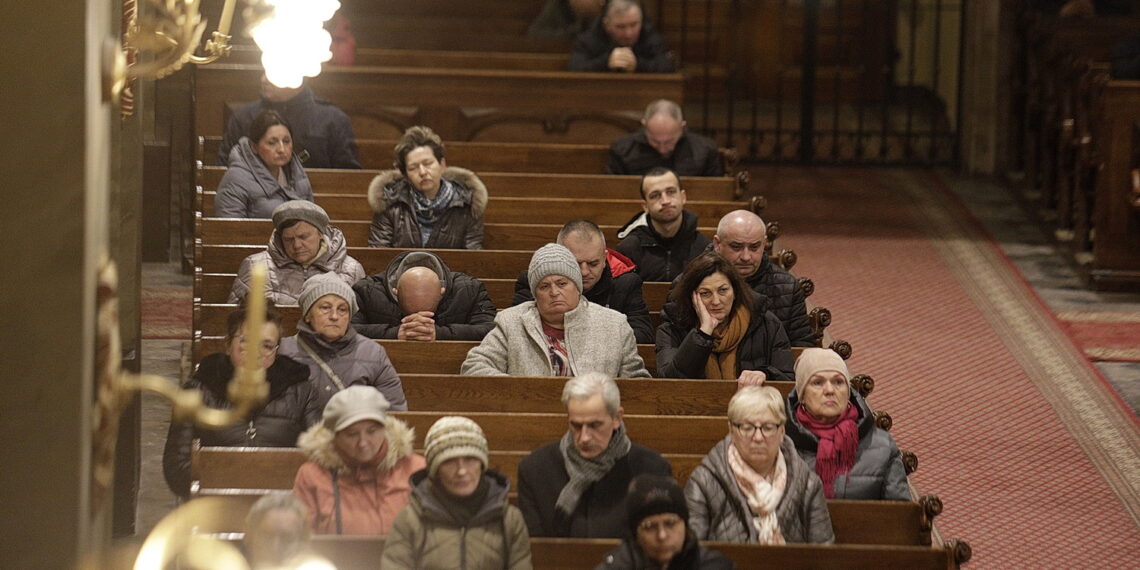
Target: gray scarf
[{"x": 585, "y": 472}]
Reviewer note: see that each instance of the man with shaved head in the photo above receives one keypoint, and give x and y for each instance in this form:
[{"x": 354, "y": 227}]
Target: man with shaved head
[
  {"x": 419, "y": 298},
  {"x": 741, "y": 238},
  {"x": 664, "y": 142}
]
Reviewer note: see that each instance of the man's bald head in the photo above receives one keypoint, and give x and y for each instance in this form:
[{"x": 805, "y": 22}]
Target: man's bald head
[
  {"x": 418, "y": 289},
  {"x": 741, "y": 238}
]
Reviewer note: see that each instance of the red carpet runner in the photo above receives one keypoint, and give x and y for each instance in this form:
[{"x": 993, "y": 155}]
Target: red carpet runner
[{"x": 1035, "y": 457}]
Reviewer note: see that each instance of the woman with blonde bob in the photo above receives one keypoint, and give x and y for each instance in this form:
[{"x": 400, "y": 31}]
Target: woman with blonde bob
[
  {"x": 834, "y": 432},
  {"x": 753, "y": 486}
]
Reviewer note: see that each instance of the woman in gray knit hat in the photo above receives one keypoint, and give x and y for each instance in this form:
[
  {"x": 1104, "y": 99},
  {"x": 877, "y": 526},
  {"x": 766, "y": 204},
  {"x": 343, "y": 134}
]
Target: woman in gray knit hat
[
  {"x": 560, "y": 332},
  {"x": 459, "y": 515},
  {"x": 302, "y": 245},
  {"x": 336, "y": 355}
]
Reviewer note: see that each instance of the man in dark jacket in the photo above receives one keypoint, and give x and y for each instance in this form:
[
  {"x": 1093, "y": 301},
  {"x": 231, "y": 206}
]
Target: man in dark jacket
[
  {"x": 419, "y": 298},
  {"x": 664, "y": 142},
  {"x": 608, "y": 277},
  {"x": 576, "y": 487},
  {"x": 621, "y": 41},
  {"x": 741, "y": 238},
  {"x": 322, "y": 133},
  {"x": 663, "y": 238}
]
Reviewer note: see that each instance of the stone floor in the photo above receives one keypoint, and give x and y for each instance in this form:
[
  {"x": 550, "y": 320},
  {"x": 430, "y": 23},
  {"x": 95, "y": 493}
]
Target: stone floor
[{"x": 1021, "y": 238}]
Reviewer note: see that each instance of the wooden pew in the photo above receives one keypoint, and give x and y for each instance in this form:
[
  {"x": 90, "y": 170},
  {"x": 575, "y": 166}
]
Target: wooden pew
[
  {"x": 517, "y": 184},
  {"x": 508, "y": 210},
  {"x": 440, "y": 58},
  {"x": 1112, "y": 260},
  {"x": 490, "y": 263},
  {"x": 459, "y": 104}
]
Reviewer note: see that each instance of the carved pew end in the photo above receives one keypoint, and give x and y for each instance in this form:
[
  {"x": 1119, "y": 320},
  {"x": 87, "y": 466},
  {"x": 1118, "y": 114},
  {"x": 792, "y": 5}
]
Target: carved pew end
[
  {"x": 756, "y": 204},
  {"x": 786, "y": 259},
  {"x": 883, "y": 420},
  {"x": 820, "y": 318},
  {"x": 842, "y": 348},
  {"x": 743, "y": 181},
  {"x": 960, "y": 550},
  {"x": 806, "y": 285},
  {"x": 863, "y": 384},
  {"x": 909, "y": 461}
]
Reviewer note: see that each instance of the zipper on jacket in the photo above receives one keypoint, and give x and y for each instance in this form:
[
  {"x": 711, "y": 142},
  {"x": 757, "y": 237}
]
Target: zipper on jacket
[{"x": 463, "y": 547}]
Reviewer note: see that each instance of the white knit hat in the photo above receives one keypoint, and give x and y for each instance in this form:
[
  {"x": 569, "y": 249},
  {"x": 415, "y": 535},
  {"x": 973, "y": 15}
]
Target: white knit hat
[
  {"x": 318, "y": 286},
  {"x": 303, "y": 210},
  {"x": 353, "y": 404},
  {"x": 553, "y": 259},
  {"x": 815, "y": 360},
  {"x": 453, "y": 436}
]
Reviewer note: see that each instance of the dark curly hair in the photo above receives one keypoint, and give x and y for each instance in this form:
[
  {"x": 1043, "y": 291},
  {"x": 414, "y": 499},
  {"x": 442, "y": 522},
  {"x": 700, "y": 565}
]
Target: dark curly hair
[
  {"x": 414, "y": 138},
  {"x": 262, "y": 123},
  {"x": 684, "y": 314}
]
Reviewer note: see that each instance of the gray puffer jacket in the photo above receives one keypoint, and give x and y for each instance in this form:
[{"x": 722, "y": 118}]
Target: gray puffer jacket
[
  {"x": 248, "y": 190},
  {"x": 394, "y": 223},
  {"x": 285, "y": 277},
  {"x": 354, "y": 358},
  {"x": 878, "y": 473},
  {"x": 718, "y": 510},
  {"x": 597, "y": 340}
]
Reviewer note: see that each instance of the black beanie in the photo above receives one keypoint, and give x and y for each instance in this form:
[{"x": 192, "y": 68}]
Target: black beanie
[{"x": 653, "y": 495}]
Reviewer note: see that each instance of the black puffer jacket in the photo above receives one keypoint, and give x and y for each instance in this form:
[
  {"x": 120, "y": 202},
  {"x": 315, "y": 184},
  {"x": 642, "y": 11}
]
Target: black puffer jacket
[
  {"x": 592, "y": 49},
  {"x": 683, "y": 352},
  {"x": 291, "y": 408},
  {"x": 321, "y": 131},
  {"x": 621, "y": 293},
  {"x": 629, "y": 556},
  {"x": 878, "y": 473},
  {"x": 786, "y": 300},
  {"x": 694, "y": 155},
  {"x": 394, "y": 223},
  {"x": 464, "y": 313},
  {"x": 657, "y": 258}
]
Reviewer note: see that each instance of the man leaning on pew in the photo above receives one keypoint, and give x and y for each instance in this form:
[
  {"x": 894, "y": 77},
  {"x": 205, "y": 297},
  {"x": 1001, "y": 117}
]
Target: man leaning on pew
[
  {"x": 417, "y": 297},
  {"x": 621, "y": 40},
  {"x": 663, "y": 141},
  {"x": 576, "y": 487},
  {"x": 608, "y": 277}
]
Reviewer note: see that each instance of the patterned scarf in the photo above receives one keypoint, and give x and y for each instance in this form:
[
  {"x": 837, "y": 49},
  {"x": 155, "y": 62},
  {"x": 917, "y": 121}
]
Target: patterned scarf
[
  {"x": 559, "y": 354},
  {"x": 429, "y": 210},
  {"x": 838, "y": 445},
  {"x": 763, "y": 496},
  {"x": 722, "y": 362},
  {"x": 585, "y": 472}
]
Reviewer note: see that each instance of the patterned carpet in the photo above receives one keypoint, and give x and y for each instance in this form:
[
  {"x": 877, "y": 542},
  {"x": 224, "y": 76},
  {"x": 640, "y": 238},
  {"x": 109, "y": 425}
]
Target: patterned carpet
[
  {"x": 1104, "y": 335},
  {"x": 1035, "y": 458}
]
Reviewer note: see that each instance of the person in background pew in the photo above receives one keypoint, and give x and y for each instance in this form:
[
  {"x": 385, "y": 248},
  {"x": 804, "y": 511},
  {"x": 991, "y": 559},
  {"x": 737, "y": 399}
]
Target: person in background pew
[
  {"x": 559, "y": 333},
  {"x": 425, "y": 203},
  {"x": 277, "y": 535},
  {"x": 742, "y": 239},
  {"x": 753, "y": 486},
  {"x": 263, "y": 172},
  {"x": 360, "y": 459},
  {"x": 834, "y": 432},
  {"x": 664, "y": 237},
  {"x": 608, "y": 277},
  {"x": 322, "y": 133},
  {"x": 663, "y": 141},
  {"x": 291, "y": 407},
  {"x": 621, "y": 40},
  {"x": 576, "y": 487},
  {"x": 419, "y": 298},
  {"x": 564, "y": 19},
  {"x": 717, "y": 327},
  {"x": 659, "y": 526},
  {"x": 459, "y": 516},
  {"x": 338, "y": 357},
  {"x": 302, "y": 245}
]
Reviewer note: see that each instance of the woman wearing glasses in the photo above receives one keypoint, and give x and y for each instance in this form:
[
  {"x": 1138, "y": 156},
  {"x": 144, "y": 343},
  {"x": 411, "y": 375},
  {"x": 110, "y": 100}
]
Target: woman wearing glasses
[
  {"x": 292, "y": 405},
  {"x": 753, "y": 486},
  {"x": 336, "y": 355}
]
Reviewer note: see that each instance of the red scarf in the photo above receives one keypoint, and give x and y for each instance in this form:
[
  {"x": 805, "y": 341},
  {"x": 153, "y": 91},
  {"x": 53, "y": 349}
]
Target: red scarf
[{"x": 838, "y": 444}]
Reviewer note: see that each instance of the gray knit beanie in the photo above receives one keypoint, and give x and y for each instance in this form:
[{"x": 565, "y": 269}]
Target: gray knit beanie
[
  {"x": 814, "y": 360},
  {"x": 453, "y": 436},
  {"x": 303, "y": 210},
  {"x": 553, "y": 259},
  {"x": 318, "y": 286}
]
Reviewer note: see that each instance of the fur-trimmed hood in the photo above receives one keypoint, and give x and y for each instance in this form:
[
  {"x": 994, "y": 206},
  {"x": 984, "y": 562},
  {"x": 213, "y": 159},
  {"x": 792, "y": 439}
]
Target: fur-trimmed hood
[
  {"x": 391, "y": 186},
  {"x": 317, "y": 443}
]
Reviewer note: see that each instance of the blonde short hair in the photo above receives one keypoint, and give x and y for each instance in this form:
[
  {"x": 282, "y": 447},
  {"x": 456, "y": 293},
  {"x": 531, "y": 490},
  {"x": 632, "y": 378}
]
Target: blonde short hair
[{"x": 754, "y": 399}]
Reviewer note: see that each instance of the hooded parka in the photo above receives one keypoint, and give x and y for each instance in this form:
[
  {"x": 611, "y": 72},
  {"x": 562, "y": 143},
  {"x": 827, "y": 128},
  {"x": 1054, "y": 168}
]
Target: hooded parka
[
  {"x": 394, "y": 222},
  {"x": 249, "y": 190},
  {"x": 285, "y": 277}
]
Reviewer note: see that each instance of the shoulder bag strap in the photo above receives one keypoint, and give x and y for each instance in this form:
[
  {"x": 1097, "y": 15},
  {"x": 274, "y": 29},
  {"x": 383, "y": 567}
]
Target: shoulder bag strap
[
  {"x": 336, "y": 502},
  {"x": 321, "y": 362}
]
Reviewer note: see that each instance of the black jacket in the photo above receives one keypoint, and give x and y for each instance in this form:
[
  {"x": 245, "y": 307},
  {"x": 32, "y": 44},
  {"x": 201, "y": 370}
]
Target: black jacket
[
  {"x": 464, "y": 313},
  {"x": 629, "y": 556},
  {"x": 592, "y": 49},
  {"x": 786, "y": 301},
  {"x": 621, "y": 293},
  {"x": 601, "y": 512},
  {"x": 291, "y": 408},
  {"x": 318, "y": 128},
  {"x": 682, "y": 353},
  {"x": 694, "y": 155},
  {"x": 659, "y": 259}
]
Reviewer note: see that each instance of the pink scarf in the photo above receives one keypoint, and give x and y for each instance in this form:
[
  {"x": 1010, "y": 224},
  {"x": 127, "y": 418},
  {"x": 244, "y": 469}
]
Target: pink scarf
[
  {"x": 838, "y": 444},
  {"x": 763, "y": 496}
]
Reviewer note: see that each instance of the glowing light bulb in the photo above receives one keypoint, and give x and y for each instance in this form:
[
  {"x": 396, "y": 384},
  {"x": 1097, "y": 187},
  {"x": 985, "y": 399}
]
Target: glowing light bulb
[{"x": 293, "y": 40}]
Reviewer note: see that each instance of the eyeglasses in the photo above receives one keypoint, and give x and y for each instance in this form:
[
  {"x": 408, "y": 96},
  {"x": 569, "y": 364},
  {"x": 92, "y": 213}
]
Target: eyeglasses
[
  {"x": 266, "y": 347},
  {"x": 328, "y": 308},
  {"x": 654, "y": 527},
  {"x": 748, "y": 430}
]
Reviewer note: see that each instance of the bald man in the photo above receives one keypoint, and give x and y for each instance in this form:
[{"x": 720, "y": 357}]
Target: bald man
[
  {"x": 741, "y": 238},
  {"x": 417, "y": 297}
]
